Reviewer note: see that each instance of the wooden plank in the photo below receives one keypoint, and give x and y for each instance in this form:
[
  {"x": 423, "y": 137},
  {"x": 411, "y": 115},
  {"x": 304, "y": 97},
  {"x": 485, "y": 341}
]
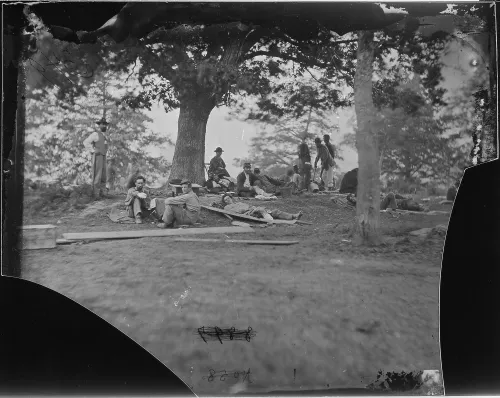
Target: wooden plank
[
  {"x": 65, "y": 241},
  {"x": 240, "y": 224},
  {"x": 155, "y": 233},
  {"x": 37, "y": 237},
  {"x": 245, "y": 217},
  {"x": 248, "y": 242}
]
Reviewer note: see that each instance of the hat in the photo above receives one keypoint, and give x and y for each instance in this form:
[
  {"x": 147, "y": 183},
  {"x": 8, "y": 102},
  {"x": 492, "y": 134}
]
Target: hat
[
  {"x": 256, "y": 170},
  {"x": 102, "y": 121},
  {"x": 317, "y": 139},
  {"x": 185, "y": 181},
  {"x": 247, "y": 165},
  {"x": 218, "y": 149}
]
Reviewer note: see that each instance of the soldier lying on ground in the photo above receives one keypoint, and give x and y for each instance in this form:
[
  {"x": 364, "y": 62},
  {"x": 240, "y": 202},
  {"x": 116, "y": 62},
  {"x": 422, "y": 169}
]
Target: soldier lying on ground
[
  {"x": 392, "y": 201},
  {"x": 137, "y": 200},
  {"x": 182, "y": 210},
  {"x": 259, "y": 212}
]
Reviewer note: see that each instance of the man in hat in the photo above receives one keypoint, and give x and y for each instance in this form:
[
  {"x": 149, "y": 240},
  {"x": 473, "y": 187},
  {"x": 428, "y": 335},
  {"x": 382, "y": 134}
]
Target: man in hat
[
  {"x": 245, "y": 182},
  {"x": 137, "y": 200},
  {"x": 326, "y": 163},
  {"x": 182, "y": 210},
  {"x": 217, "y": 168},
  {"x": 97, "y": 144}
]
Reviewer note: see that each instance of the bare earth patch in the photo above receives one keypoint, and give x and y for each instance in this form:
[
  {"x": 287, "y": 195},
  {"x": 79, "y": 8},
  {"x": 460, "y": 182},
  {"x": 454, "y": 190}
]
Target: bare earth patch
[{"x": 335, "y": 313}]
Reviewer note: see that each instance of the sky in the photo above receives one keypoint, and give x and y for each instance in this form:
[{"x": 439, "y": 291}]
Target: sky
[{"x": 234, "y": 136}]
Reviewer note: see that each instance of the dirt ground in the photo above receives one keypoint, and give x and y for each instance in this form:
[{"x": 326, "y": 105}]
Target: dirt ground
[{"x": 325, "y": 313}]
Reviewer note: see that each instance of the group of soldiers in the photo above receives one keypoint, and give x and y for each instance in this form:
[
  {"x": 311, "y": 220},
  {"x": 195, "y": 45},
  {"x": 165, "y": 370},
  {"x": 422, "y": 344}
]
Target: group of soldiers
[
  {"x": 180, "y": 210},
  {"x": 185, "y": 209},
  {"x": 249, "y": 184}
]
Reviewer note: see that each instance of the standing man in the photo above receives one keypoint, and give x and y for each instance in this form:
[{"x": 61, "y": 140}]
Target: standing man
[
  {"x": 326, "y": 162},
  {"x": 331, "y": 149},
  {"x": 136, "y": 201},
  {"x": 304, "y": 164},
  {"x": 97, "y": 143},
  {"x": 183, "y": 209}
]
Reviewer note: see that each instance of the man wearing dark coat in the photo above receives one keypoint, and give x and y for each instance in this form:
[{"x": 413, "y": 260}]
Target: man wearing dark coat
[
  {"x": 245, "y": 182},
  {"x": 304, "y": 164}
]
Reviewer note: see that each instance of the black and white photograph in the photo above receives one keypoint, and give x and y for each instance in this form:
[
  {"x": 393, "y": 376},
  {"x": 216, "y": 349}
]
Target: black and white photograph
[{"x": 258, "y": 194}]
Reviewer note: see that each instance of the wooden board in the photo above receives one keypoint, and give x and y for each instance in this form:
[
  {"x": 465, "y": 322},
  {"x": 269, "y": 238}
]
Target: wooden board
[
  {"x": 155, "y": 233},
  {"x": 65, "y": 241},
  {"x": 240, "y": 224},
  {"x": 37, "y": 237},
  {"x": 245, "y": 217},
  {"x": 248, "y": 242}
]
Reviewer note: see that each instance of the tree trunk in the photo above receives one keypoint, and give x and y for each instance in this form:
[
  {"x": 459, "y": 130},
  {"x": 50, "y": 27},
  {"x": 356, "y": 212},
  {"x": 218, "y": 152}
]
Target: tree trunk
[
  {"x": 366, "y": 227},
  {"x": 189, "y": 155}
]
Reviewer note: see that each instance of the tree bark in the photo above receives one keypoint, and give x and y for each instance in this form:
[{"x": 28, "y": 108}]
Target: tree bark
[
  {"x": 189, "y": 155},
  {"x": 366, "y": 226}
]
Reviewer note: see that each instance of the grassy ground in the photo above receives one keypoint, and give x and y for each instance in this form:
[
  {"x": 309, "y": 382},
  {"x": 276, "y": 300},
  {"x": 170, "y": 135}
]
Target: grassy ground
[{"x": 334, "y": 313}]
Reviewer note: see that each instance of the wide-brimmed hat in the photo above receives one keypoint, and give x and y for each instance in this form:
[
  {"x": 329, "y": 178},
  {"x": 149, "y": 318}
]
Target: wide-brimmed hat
[
  {"x": 218, "y": 149},
  {"x": 247, "y": 165},
  {"x": 185, "y": 181},
  {"x": 102, "y": 122}
]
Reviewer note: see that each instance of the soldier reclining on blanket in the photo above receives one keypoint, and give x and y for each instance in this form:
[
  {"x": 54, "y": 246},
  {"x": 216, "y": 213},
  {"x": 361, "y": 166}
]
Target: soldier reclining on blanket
[
  {"x": 393, "y": 201},
  {"x": 259, "y": 212}
]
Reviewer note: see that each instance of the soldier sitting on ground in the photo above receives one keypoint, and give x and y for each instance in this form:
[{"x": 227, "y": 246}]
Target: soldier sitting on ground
[
  {"x": 137, "y": 200},
  {"x": 218, "y": 176},
  {"x": 181, "y": 210}
]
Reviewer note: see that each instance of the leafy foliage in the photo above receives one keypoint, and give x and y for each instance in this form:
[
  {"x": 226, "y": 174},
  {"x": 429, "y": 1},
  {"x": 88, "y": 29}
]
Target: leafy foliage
[
  {"x": 276, "y": 144},
  {"x": 56, "y": 129}
]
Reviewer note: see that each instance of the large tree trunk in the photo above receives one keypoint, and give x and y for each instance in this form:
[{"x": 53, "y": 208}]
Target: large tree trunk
[
  {"x": 189, "y": 155},
  {"x": 366, "y": 227}
]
